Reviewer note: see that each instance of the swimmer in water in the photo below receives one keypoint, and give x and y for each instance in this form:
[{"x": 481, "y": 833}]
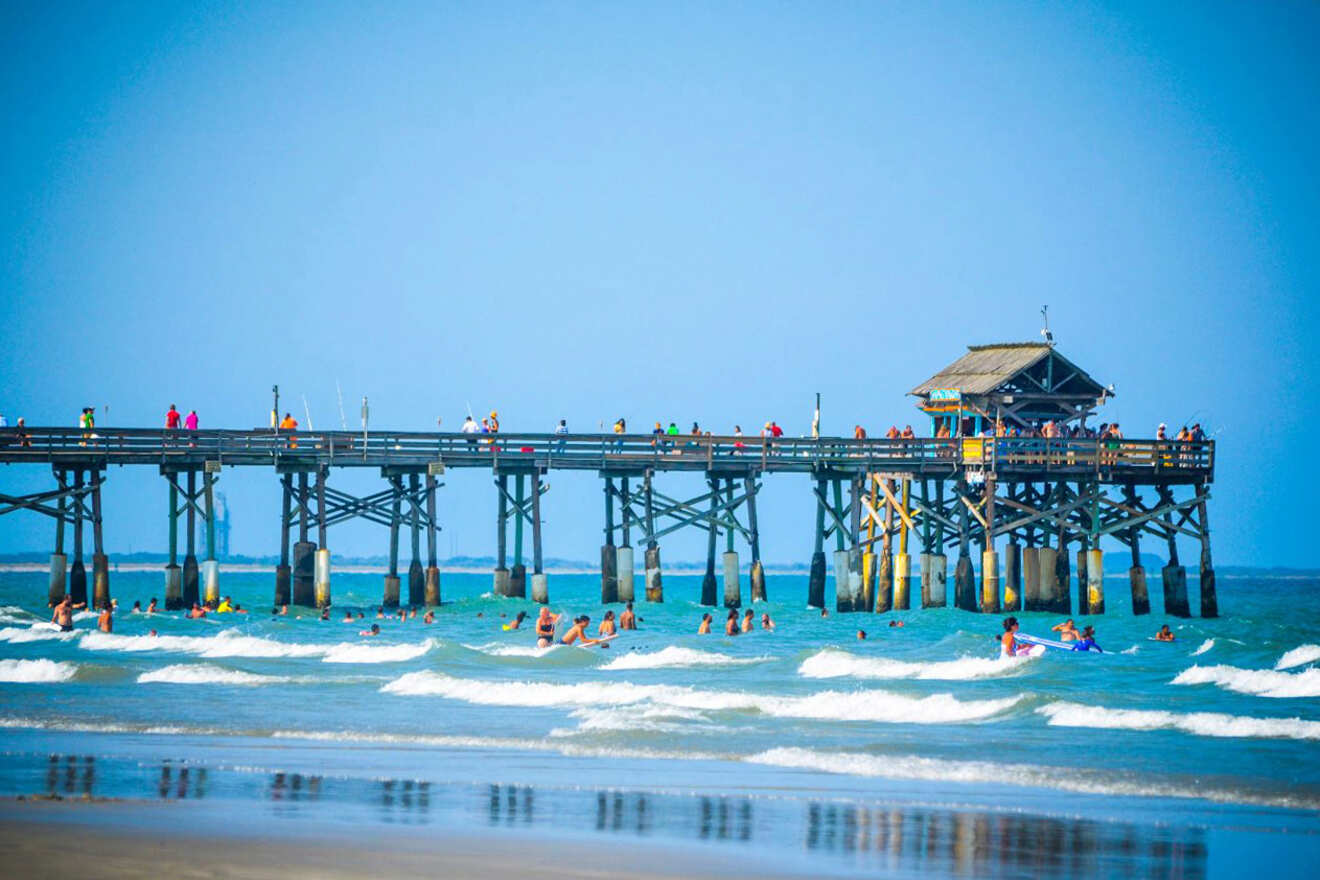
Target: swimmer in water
[
  {"x": 607, "y": 626},
  {"x": 628, "y": 620},
  {"x": 704, "y": 628},
  {"x": 731, "y": 623},
  {"x": 374, "y": 631},
  {"x": 747, "y": 623},
  {"x": 517, "y": 621},
  {"x": 577, "y": 633},
  {"x": 894, "y": 624},
  {"x": 325, "y": 613},
  {"x": 106, "y": 622},
  {"x": 137, "y": 607},
  {"x": 348, "y": 617},
  {"x": 197, "y": 612},
  {"x": 766, "y": 622},
  {"x": 545, "y": 628},
  {"x": 151, "y": 606},
  {"x": 1087, "y": 641},
  {"x": 1165, "y": 634},
  {"x": 380, "y": 613},
  {"x": 1008, "y": 645},
  {"x": 429, "y": 617},
  {"x": 63, "y": 616},
  {"x": 824, "y": 613},
  {"x": 1067, "y": 631}
]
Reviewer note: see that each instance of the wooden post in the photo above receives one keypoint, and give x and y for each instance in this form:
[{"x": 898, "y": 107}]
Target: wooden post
[
  {"x": 1209, "y": 597},
  {"x": 432, "y": 563},
  {"x": 501, "y": 580},
  {"x": 609, "y": 554},
  {"x": 708, "y": 581},
  {"x": 654, "y": 584},
  {"x": 540, "y": 588},
  {"x": 416, "y": 577},
  {"x": 757, "y": 572},
  {"x": 283, "y": 573},
  {"x": 391, "y": 597},
  {"x": 101, "y": 564},
  {"x": 816, "y": 579}
]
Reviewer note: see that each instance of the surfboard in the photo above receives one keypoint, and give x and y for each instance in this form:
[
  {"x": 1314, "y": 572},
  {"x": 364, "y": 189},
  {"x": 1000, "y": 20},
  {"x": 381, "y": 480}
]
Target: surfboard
[
  {"x": 603, "y": 640},
  {"x": 1037, "y": 640}
]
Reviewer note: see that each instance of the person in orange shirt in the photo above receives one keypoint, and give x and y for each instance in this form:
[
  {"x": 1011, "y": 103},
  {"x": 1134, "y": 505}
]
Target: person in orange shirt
[{"x": 290, "y": 424}]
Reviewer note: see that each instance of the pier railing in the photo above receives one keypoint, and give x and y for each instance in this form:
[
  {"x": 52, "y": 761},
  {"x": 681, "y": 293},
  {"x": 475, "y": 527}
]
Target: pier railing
[{"x": 1103, "y": 458}]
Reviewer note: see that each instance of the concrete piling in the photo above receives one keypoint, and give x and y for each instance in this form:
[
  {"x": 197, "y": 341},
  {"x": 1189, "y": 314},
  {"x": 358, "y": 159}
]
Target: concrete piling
[
  {"x": 816, "y": 581},
  {"x": 732, "y": 588},
  {"x": 990, "y": 582},
  {"x": 432, "y": 586},
  {"x": 609, "y": 574},
  {"x": 283, "y": 582},
  {"x": 390, "y": 599},
  {"x": 192, "y": 581},
  {"x": 500, "y": 582},
  {"x": 884, "y": 583},
  {"x": 518, "y": 581},
  {"x": 1175, "y": 591},
  {"x": 869, "y": 574},
  {"x": 902, "y": 582},
  {"x": 416, "y": 583},
  {"x": 1083, "y": 582},
  {"x": 757, "y": 578},
  {"x": 78, "y": 581},
  {"x": 1209, "y": 595},
  {"x": 934, "y": 580},
  {"x": 964, "y": 585},
  {"x": 1013, "y": 576},
  {"x": 655, "y": 591},
  {"x": 1062, "y": 598},
  {"x": 174, "y": 587},
  {"x": 540, "y": 589},
  {"x": 211, "y": 582},
  {"x": 1140, "y": 596},
  {"x": 625, "y": 575},
  {"x": 1031, "y": 579},
  {"x": 304, "y": 574},
  {"x": 58, "y": 567},
  {"x": 1048, "y": 580},
  {"x": 321, "y": 589},
  {"x": 101, "y": 580},
  {"x": 1095, "y": 582},
  {"x": 842, "y": 582}
]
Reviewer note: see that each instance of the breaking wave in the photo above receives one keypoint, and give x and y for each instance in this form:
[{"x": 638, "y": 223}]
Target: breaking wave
[
  {"x": 834, "y": 663},
  {"x": 36, "y": 671},
  {"x": 870, "y": 705},
  {"x": 1064, "y": 714},
  {"x": 676, "y": 656},
  {"x": 1258, "y": 682},
  {"x": 205, "y": 673},
  {"x": 231, "y": 643},
  {"x": 17, "y": 635},
  {"x": 1299, "y": 656},
  {"x": 912, "y": 767},
  {"x": 1205, "y": 646}
]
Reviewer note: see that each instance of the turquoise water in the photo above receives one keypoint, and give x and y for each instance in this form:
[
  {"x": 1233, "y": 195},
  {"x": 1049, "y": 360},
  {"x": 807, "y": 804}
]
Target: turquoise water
[{"x": 1186, "y": 745}]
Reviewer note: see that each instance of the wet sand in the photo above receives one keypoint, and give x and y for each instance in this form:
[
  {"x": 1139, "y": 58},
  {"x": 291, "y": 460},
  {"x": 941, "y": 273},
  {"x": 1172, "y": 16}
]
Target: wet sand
[{"x": 106, "y": 840}]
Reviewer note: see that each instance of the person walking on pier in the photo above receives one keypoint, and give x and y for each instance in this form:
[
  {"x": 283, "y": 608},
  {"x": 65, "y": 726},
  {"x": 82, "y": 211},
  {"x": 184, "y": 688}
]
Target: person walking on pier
[
  {"x": 561, "y": 431},
  {"x": 87, "y": 421},
  {"x": 620, "y": 428},
  {"x": 172, "y": 418},
  {"x": 290, "y": 424},
  {"x": 190, "y": 422},
  {"x": 469, "y": 428}
]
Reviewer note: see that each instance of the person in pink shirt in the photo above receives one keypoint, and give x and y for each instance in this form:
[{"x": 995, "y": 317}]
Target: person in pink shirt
[{"x": 191, "y": 421}]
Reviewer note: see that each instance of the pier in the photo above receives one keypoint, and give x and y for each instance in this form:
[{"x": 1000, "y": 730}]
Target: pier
[{"x": 1025, "y": 504}]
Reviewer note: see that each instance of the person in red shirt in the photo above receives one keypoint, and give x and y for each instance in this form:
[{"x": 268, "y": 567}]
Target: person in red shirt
[
  {"x": 775, "y": 430},
  {"x": 172, "y": 418}
]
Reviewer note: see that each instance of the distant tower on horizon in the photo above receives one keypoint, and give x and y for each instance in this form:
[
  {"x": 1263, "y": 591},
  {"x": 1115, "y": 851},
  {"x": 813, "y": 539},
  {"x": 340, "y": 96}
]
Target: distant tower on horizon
[{"x": 221, "y": 529}]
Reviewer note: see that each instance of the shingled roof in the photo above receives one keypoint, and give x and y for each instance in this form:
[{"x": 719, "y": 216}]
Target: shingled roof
[{"x": 986, "y": 367}]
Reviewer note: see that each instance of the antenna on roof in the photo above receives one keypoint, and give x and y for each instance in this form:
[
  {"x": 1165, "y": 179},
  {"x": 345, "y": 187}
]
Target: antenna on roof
[{"x": 1045, "y": 330}]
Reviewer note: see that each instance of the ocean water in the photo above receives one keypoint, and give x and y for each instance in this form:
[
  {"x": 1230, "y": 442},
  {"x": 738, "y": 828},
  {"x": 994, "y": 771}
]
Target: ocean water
[{"x": 914, "y": 750}]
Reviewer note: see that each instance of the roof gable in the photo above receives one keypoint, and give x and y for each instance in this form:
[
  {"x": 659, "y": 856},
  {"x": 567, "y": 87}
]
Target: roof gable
[{"x": 987, "y": 368}]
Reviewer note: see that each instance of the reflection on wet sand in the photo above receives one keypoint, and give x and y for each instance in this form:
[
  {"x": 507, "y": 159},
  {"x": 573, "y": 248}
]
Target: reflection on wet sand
[
  {"x": 981, "y": 844},
  {"x": 181, "y": 782}
]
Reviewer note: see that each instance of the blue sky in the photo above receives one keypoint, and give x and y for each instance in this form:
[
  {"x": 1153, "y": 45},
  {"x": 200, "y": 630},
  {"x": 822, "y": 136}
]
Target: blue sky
[{"x": 663, "y": 211}]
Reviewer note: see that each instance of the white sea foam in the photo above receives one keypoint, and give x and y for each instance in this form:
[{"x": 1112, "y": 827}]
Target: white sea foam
[
  {"x": 14, "y": 614},
  {"x": 1299, "y": 656},
  {"x": 1132, "y": 650},
  {"x": 1260, "y": 682},
  {"x": 232, "y": 643},
  {"x": 868, "y": 705},
  {"x": 361, "y": 652},
  {"x": 833, "y": 663},
  {"x": 1205, "y": 646},
  {"x": 205, "y": 673},
  {"x": 101, "y": 727},
  {"x": 912, "y": 767},
  {"x": 36, "y": 671},
  {"x": 677, "y": 656},
  {"x": 1064, "y": 714},
  {"x": 19, "y": 634}
]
